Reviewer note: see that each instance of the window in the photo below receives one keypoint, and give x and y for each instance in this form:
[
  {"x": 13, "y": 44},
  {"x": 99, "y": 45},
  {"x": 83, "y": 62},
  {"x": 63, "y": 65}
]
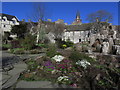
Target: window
[
  {"x": 3, "y": 19},
  {"x": 4, "y": 26},
  {"x": 79, "y": 40},
  {"x": 13, "y": 21}
]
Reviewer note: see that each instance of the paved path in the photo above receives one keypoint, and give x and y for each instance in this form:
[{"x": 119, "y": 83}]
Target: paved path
[
  {"x": 8, "y": 58},
  {"x": 9, "y": 78},
  {"x": 13, "y": 75},
  {"x": 39, "y": 84}
]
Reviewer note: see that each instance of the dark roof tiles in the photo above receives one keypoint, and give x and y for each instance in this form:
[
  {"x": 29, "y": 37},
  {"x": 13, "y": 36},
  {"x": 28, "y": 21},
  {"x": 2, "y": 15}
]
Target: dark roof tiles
[
  {"x": 83, "y": 27},
  {"x": 9, "y": 17}
]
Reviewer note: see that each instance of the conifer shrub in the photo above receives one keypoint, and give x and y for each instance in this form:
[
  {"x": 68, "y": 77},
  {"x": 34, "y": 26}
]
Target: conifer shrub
[
  {"x": 29, "y": 42},
  {"x": 51, "y": 52}
]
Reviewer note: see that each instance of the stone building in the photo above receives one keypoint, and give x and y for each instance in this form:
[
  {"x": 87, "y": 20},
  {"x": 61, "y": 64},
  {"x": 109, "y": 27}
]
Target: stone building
[{"x": 6, "y": 21}]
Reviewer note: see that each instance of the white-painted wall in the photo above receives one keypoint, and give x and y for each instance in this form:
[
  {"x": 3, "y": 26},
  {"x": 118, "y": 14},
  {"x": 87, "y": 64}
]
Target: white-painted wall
[
  {"x": 5, "y": 25},
  {"x": 75, "y": 36}
]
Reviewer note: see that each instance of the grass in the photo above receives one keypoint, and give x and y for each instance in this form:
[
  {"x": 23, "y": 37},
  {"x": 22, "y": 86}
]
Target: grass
[{"x": 6, "y": 46}]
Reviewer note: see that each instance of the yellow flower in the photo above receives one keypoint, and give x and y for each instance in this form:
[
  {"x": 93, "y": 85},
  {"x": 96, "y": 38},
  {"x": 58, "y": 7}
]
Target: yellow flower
[{"x": 64, "y": 45}]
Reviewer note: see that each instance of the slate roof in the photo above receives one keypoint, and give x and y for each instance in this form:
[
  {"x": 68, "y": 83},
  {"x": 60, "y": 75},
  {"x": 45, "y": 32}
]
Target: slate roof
[
  {"x": 9, "y": 17},
  {"x": 83, "y": 27}
]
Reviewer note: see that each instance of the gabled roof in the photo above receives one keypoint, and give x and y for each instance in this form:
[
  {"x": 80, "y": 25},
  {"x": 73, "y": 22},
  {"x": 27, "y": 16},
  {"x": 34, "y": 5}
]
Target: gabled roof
[
  {"x": 9, "y": 17},
  {"x": 83, "y": 27}
]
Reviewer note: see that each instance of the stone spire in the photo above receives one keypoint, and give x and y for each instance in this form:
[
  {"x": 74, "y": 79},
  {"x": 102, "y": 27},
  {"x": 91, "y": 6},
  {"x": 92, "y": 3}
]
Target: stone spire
[
  {"x": 77, "y": 15},
  {"x": 77, "y": 21}
]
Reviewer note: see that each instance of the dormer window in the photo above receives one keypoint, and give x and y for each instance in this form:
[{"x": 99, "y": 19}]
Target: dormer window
[
  {"x": 3, "y": 19},
  {"x": 13, "y": 21}
]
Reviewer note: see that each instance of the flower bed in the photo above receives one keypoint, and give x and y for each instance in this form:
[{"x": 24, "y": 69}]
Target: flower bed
[{"x": 85, "y": 72}]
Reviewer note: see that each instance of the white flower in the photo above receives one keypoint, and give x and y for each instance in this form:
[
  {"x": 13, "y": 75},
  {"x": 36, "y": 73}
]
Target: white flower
[
  {"x": 63, "y": 78},
  {"x": 92, "y": 56},
  {"x": 34, "y": 73},
  {"x": 60, "y": 78},
  {"x": 38, "y": 66},
  {"x": 54, "y": 71},
  {"x": 83, "y": 63},
  {"x": 28, "y": 70},
  {"x": 58, "y": 58}
]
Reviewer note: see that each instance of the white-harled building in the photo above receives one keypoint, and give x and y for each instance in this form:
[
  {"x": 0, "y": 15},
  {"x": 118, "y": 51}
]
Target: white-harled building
[
  {"x": 77, "y": 32},
  {"x": 6, "y": 21}
]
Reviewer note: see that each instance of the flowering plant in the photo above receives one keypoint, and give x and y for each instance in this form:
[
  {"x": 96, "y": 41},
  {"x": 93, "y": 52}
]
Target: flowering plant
[
  {"x": 58, "y": 58},
  {"x": 83, "y": 63},
  {"x": 49, "y": 66},
  {"x": 64, "y": 45},
  {"x": 64, "y": 66},
  {"x": 63, "y": 80}
]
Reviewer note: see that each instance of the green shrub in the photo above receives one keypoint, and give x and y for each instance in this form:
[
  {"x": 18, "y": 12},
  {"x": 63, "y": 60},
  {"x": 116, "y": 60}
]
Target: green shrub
[
  {"x": 6, "y": 46},
  {"x": 29, "y": 42},
  {"x": 76, "y": 55},
  {"x": 18, "y": 51},
  {"x": 51, "y": 50},
  {"x": 34, "y": 51},
  {"x": 68, "y": 43},
  {"x": 32, "y": 65},
  {"x": 42, "y": 45}
]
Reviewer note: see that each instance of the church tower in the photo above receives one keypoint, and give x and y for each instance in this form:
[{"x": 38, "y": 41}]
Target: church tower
[{"x": 77, "y": 21}]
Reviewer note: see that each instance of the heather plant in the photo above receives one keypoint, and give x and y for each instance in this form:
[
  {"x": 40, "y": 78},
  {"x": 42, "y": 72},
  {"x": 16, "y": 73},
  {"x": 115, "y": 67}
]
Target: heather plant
[
  {"x": 15, "y": 44},
  {"x": 49, "y": 66}
]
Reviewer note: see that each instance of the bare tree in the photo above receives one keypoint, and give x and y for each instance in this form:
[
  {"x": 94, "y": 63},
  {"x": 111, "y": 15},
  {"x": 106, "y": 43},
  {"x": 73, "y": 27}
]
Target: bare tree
[
  {"x": 58, "y": 30},
  {"x": 101, "y": 15},
  {"x": 38, "y": 15},
  {"x": 38, "y": 12}
]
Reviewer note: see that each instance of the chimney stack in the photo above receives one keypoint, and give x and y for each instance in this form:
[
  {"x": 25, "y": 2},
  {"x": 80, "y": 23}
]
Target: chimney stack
[
  {"x": 97, "y": 20},
  {"x": 23, "y": 20}
]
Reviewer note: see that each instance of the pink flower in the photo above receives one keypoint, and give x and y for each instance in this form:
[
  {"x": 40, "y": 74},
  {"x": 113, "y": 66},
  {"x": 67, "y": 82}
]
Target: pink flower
[{"x": 74, "y": 85}]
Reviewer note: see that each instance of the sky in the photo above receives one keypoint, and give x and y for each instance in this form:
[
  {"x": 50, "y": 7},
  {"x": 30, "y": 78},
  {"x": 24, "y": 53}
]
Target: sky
[{"x": 61, "y": 10}]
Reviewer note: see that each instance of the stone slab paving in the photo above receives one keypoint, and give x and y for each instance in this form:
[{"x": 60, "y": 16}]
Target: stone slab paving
[
  {"x": 38, "y": 84},
  {"x": 14, "y": 73},
  {"x": 11, "y": 81},
  {"x": 18, "y": 68},
  {"x": 26, "y": 56},
  {"x": 5, "y": 78}
]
